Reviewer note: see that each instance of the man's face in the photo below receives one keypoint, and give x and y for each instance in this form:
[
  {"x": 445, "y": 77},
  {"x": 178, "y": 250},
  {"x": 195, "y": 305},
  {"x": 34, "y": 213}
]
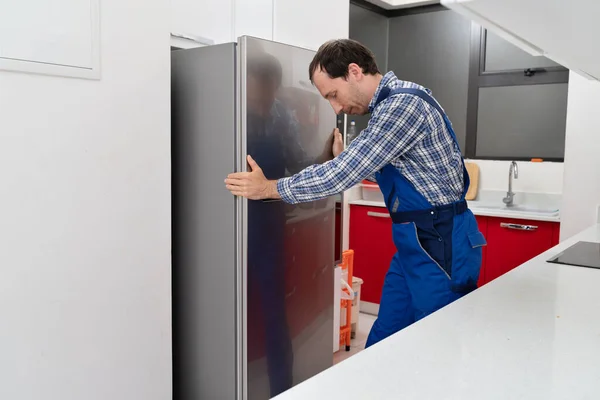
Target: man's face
[{"x": 344, "y": 94}]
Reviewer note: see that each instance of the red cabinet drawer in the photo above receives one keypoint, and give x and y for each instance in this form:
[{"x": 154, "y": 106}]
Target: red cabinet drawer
[
  {"x": 371, "y": 240},
  {"x": 510, "y": 247}
]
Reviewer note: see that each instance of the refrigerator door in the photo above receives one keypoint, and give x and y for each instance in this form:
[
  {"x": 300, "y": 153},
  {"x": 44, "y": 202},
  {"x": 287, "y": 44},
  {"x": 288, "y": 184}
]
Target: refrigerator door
[
  {"x": 206, "y": 351},
  {"x": 288, "y": 272}
]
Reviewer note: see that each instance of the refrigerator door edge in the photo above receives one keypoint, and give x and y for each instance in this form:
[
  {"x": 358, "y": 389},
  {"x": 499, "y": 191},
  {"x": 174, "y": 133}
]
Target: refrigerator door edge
[{"x": 241, "y": 219}]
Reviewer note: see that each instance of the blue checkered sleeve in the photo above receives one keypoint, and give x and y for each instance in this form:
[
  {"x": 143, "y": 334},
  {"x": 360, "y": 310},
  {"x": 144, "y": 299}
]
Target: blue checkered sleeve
[{"x": 396, "y": 126}]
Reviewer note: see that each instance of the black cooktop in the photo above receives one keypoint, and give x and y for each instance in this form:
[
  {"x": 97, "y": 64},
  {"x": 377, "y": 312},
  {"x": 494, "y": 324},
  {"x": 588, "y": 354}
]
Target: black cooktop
[{"x": 581, "y": 254}]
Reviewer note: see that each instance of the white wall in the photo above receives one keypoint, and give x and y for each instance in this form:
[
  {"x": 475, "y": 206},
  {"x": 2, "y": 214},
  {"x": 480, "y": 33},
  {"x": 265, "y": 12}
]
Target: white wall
[
  {"x": 310, "y": 23},
  {"x": 545, "y": 177},
  {"x": 306, "y": 23},
  {"x": 581, "y": 194},
  {"x": 85, "y": 221},
  {"x": 209, "y": 19}
]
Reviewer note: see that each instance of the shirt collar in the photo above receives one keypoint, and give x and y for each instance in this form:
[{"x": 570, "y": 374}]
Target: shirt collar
[{"x": 385, "y": 81}]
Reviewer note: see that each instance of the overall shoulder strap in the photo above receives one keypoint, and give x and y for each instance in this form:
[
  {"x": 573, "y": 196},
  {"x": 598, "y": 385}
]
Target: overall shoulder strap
[
  {"x": 387, "y": 92},
  {"x": 422, "y": 94}
]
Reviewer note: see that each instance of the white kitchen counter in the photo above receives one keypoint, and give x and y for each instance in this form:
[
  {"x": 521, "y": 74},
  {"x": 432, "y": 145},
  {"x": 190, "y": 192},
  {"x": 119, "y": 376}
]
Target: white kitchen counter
[{"x": 533, "y": 333}]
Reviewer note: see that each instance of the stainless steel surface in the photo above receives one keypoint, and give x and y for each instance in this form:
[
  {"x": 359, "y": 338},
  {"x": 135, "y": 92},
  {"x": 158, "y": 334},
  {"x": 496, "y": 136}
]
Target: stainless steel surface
[
  {"x": 377, "y": 214},
  {"x": 519, "y": 227},
  {"x": 241, "y": 231},
  {"x": 204, "y": 223},
  {"x": 288, "y": 126},
  {"x": 513, "y": 170},
  {"x": 252, "y": 280}
]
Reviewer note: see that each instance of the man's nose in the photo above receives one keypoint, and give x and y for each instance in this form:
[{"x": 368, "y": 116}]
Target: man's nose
[{"x": 337, "y": 108}]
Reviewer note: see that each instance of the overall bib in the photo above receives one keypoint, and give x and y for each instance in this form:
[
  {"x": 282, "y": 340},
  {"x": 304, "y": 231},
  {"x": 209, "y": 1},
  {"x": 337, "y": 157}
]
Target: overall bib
[{"x": 438, "y": 248}]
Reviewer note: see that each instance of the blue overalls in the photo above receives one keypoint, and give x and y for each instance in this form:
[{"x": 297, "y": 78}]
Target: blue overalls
[{"x": 439, "y": 248}]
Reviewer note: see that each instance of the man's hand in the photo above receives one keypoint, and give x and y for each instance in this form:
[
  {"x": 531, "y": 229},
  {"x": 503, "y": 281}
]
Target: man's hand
[
  {"x": 333, "y": 147},
  {"x": 338, "y": 143},
  {"x": 252, "y": 185}
]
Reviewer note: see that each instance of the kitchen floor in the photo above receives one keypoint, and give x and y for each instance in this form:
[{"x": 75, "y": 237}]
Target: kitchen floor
[{"x": 365, "y": 322}]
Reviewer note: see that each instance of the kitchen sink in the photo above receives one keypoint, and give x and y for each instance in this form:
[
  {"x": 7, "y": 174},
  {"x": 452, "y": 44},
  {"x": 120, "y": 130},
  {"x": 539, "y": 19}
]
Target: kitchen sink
[{"x": 540, "y": 204}]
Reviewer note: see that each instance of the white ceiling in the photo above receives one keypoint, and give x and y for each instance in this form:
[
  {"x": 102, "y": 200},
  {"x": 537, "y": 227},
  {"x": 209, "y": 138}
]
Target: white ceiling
[{"x": 396, "y": 4}]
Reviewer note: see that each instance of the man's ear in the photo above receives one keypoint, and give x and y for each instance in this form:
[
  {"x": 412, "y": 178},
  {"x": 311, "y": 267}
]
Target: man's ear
[{"x": 355, "y": 71}]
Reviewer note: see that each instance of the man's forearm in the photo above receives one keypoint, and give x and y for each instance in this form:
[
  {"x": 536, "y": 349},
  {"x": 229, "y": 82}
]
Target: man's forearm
[{"x": 324, "y": 157}]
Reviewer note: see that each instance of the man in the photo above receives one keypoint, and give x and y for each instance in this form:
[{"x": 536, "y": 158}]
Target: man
[{"x": 410, "y": 148}]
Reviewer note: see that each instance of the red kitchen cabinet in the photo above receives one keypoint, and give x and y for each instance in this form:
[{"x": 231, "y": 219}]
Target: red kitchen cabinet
[
  {"x": 371, "y": 240},
  {"x": 510, "y": 245},
  {"x": 556, "y": 234}
]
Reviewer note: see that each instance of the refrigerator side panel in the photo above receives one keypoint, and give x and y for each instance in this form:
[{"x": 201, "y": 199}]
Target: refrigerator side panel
[
  {"x": 287, "y": 126},
  {"x": 204, "y": 223}
]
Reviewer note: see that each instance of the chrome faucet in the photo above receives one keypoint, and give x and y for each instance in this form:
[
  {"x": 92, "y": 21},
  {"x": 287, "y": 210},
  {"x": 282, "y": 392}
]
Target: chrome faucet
[{"x": 513, "y": 170}]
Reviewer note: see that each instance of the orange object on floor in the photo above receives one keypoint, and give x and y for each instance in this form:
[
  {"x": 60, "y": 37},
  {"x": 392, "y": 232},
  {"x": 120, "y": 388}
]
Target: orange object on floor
[{"x": 346, "y": 330}]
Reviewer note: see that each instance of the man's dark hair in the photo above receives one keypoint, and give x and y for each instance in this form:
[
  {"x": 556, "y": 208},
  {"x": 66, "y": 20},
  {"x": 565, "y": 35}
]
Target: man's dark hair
[{"x": 335, "y": 56}]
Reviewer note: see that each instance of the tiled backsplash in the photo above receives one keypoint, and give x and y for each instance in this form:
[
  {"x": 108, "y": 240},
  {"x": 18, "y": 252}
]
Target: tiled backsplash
[{"x": 544, "y": 177}]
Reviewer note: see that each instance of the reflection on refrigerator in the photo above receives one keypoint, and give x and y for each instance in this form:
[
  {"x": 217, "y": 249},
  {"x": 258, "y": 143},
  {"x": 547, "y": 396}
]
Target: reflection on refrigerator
[{"x": 252, "y": 280}]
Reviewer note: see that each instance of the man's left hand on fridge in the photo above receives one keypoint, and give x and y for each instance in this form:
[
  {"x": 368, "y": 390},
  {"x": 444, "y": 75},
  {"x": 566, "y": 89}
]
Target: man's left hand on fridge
[
  {"x": 253, "y": 184},
  {"x": 338, "y": 143}
]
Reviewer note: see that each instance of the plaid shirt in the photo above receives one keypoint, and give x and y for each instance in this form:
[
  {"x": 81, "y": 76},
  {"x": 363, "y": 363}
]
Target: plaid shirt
[{"x": 405, "y": 131}]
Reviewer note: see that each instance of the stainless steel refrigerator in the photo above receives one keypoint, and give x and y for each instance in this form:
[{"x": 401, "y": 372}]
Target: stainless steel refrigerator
[{"x": 252, "y": 280}]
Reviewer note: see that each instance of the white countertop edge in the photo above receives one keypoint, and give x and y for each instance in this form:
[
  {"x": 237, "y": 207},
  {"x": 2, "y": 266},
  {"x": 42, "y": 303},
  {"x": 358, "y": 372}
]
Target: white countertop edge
[
  {"x": 531, "y": 333},
  {"x": 478, "y": 211}
]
